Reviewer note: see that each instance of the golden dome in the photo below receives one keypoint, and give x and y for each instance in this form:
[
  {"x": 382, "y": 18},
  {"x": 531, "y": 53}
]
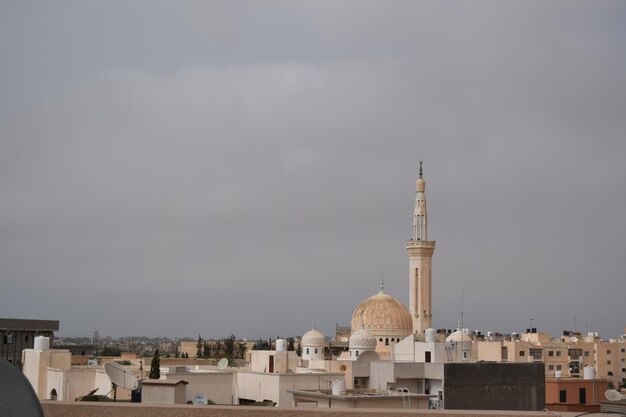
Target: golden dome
[{"x": 382, "y": 314}]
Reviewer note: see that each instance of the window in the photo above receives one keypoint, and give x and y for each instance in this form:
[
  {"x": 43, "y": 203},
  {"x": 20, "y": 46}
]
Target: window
[
  {"x": 307, "y": 351},
  {"x": 586, "y": 353},
  {"x": 608, "y": 362},
  {"x": 608, "y": 352},
  {"x": 315, "y": 350},
  {"x": 623, "y": 369},
  {"x": 562, "y": 396},
  {"x": 610, "y": 373},
  {"x": 380, "y": 340},
  {"x": 387, "y": 341},
  {"x": 550, "y": 367},
  {"x": 582, "y": 396},
  {"x": 551, "y": 353},
  {"x": 558, "y": 353},
  {"x": 558, "y": 367},
  {"x": 536, "y": 354},
  {"x": 427, "y": 357},
  {"x": 623, "y": 350},
  {"x": 357, "y": 353},
  {"x": 521, "y": 353}
]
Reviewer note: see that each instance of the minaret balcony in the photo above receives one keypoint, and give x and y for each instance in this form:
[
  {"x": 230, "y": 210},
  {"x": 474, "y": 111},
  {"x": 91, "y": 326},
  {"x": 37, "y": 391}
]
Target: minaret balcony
[{"x": 420, "y": 244}]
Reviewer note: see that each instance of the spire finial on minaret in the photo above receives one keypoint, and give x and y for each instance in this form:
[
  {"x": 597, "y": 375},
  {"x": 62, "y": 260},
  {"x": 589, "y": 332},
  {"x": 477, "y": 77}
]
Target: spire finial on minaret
[
  {"x": 421, "y": 171},
  {"x": 382, "y": 283}
]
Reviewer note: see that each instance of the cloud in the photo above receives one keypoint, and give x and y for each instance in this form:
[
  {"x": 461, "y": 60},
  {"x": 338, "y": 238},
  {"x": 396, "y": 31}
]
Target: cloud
[{"x": 263, "y": 182}]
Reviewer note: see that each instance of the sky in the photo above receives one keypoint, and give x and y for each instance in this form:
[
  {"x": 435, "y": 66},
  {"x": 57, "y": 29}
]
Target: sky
[{"x": 227, "y": 167}]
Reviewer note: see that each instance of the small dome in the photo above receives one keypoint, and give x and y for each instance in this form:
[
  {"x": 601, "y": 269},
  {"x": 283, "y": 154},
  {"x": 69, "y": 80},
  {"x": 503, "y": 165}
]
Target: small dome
[
  {"x": 313, "y": 338},
  {"x": 362, "y": 339},
  {"x": 382, "y": 314},
  {"x": 420, "y": 186},
  {"x": 458, "y": 336}
]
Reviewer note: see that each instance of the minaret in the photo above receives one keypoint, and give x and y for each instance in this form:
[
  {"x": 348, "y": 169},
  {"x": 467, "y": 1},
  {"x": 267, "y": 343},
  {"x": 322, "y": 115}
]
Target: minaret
[{"x": 420, "y": 251}]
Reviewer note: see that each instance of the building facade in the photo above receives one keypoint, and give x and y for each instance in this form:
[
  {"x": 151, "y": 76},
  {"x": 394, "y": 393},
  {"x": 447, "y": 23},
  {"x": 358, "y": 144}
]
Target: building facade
[{"x": 18, "y": 334}]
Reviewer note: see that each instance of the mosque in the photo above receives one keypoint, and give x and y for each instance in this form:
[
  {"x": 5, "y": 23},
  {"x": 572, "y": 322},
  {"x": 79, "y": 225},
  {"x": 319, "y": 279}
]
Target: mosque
[{"x": 381, "y": 321}]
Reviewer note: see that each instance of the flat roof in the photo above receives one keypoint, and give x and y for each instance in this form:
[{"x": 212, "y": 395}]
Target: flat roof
[
  {"x": 163, "y": 382},
  {"x": 360, "y": 395},
  {"x": 25, "y": 324}
]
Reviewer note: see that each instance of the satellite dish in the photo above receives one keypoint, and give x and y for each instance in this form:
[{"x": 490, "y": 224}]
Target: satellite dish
[
  {"x": 17, "y": 397},
  {"x": 222, "y": 364},
  {"x": 613, "y": 395},
  {"x": 344, "y": 339},
  {"x": 120, "y": 376},
  {"x": 200, "y": 399}
]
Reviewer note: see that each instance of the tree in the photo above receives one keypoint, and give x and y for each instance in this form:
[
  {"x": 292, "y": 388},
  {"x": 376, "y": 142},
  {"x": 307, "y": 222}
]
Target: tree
[
  {"x": 199, "y": 347},
  {"x": 206, "y": 350},
  {"x": 229, "y": 346},
  {"x": 242, "y": 350},
  {"x": 290, "y": 345},
  {"x": 299, "y": 349},
  {"x": 155, "y": 366}
]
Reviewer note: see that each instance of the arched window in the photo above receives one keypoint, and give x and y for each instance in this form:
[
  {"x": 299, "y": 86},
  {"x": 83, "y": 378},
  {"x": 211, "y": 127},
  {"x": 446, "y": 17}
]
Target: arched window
[
  {"x": 357, "y": 353},
  {"x": 53, "y": 394},
  {"x": 380, "y": 340},
  {"x": 307, "y": 351},
  {"x": 387, "y": 341},
  {"x": 315, "y": 350}
]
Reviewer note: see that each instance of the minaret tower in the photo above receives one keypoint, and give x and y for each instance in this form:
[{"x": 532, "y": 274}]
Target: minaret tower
[{"x": 420, "y": 251}]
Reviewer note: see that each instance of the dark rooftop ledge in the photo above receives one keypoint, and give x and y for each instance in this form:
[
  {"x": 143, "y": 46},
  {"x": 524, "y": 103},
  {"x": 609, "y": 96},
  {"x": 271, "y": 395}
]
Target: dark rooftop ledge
[{"x": 83, "y": 409}]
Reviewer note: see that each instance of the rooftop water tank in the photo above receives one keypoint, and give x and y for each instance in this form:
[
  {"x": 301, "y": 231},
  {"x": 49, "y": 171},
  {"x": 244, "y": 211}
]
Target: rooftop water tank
[
  {"x": 42, "y": 343},
  {"x": 281, "y": 345},
  {"x": 338, "y": 387},
  {"x": 589, "y": 372},
  {"x": 430, "y": 336}
]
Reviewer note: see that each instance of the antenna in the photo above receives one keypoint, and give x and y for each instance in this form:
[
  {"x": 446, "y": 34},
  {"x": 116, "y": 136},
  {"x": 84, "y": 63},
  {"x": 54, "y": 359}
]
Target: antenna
[
  {"x": 613, "y": 395},
  {"x": 121, "y": 376},
  {"x": 462, "y": 309},
  {"x": 222, "y": 364},
  {"x": 200, "y": 399}
]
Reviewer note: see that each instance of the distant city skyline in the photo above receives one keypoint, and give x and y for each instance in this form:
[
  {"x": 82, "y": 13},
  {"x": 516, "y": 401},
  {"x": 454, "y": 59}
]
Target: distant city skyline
[{"x": 219, "y": 168}]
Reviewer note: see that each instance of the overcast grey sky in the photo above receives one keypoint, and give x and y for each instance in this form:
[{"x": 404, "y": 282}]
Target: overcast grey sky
[{"x": 175, "y": 168}]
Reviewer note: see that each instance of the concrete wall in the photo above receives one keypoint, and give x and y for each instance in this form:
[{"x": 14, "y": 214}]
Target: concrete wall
[
  {"x": 219, "y": 387},
  {"x": 80, "y": 409},
  {"x": 283, "y": 361},
  {"x": 257, "y": 386},
  {"x": 489, "y": 351},
  {"x": 36, "y": 364},
  {"x": 494, "y": 386},
  {"x": 163, "y": 394}
]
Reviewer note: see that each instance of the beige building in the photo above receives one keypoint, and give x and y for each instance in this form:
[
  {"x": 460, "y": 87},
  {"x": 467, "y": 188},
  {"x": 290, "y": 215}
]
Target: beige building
[
  {"x": 157, "y": 391},
  {"x": 568, "y": 356}
]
